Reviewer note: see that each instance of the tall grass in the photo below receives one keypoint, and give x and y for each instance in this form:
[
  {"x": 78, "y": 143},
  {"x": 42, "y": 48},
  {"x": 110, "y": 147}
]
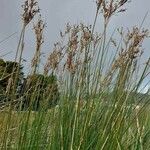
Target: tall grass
[{"x": 99, "y": 105}]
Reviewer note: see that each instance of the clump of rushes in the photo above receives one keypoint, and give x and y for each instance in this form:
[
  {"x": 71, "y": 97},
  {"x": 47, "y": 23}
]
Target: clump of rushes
[
  {"x": 99, "y": 79},
  {"x": 30, "y": 9},
  {"x": 128, "y": 54},
  {"x": 70, "y": 54}
]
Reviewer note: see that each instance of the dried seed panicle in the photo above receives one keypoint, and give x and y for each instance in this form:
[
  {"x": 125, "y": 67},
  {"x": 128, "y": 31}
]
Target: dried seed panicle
[
  {"x": 38, "y": 29},
  {"x": 109, "y": 7},
  {"x": 129, "y": 53},
  {"x": 30, "y": 10},
  {"x": 99, "y": 3},
  {"x": 133, "y": 40},
  {"x": 54, "y": 58}
]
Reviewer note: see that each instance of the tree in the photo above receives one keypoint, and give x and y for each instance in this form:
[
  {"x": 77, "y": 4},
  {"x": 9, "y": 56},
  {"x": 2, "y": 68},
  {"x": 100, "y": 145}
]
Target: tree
[
  {"x": 41, "y": 92},
  {"x": 8, "y": 71},
  {"x": 35, "y": 91}
]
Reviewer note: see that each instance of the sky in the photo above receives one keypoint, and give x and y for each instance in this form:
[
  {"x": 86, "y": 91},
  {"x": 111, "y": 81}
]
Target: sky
[{"x": 56, "y": 13}]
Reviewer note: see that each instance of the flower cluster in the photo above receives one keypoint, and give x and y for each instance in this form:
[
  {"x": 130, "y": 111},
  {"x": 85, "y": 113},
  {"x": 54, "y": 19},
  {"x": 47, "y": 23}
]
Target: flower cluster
[
  {"x": 30, "y": 8},
  {"x": 109, "y": 7},
  {"x": 54, "y": 58}
]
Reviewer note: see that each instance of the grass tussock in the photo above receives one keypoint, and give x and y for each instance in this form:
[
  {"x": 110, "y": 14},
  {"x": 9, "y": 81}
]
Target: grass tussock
[{"x": 87, "y": 95}]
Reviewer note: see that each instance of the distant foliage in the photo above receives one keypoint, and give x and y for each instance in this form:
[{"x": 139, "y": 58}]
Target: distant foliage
[
  {"x": 33, "y": 92},
  {"x": 8, "y": 71},
  {"x": 41, "y": 92}
]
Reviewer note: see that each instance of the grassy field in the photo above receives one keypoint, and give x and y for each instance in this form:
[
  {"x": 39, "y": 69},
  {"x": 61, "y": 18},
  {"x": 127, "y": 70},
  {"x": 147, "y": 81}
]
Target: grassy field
[{"x": 87, "y": 96}]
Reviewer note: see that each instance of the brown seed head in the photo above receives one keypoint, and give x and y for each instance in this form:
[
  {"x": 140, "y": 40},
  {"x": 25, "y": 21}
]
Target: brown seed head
[{"x": 30, "y": 8}]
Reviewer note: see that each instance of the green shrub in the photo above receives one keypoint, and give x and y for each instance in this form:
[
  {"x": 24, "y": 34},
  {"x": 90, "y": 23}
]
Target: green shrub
[
  {"x": 8, "y": 74},
  {"x": 41, "y": 91}
]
